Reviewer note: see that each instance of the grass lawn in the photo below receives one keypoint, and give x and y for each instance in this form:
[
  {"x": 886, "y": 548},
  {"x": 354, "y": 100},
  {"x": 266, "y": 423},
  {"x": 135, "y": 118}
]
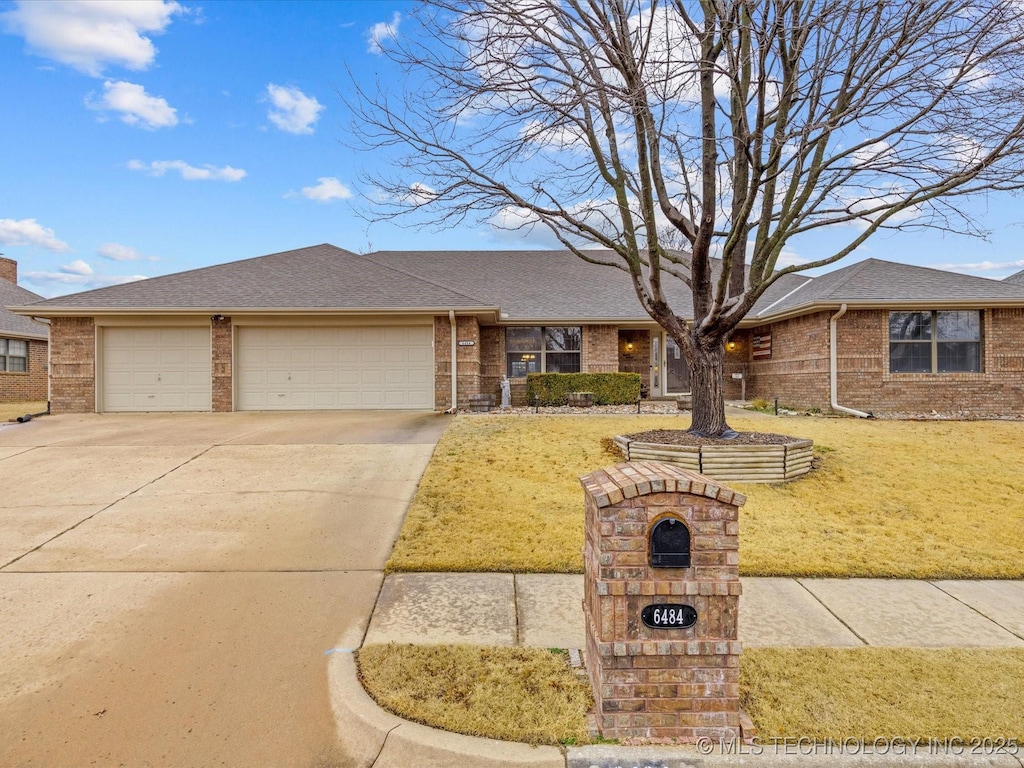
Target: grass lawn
[
  {"x": 10, "y": 411},
  {"x": 529, "y": 694},
  {"x": 890, "y": 499}
]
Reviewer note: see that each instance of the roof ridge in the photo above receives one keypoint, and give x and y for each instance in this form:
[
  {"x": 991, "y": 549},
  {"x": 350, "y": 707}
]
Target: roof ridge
[
  {"x": 851, "y": 272},
  {"x": 482, "y": 302}
]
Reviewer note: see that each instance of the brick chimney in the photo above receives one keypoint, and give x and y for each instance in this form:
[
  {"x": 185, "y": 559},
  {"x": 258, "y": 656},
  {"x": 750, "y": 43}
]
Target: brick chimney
[{"x": 9, "y": 270}]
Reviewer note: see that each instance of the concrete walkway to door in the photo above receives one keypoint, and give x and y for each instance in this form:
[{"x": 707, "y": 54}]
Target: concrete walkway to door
[{"x": 170, "y": 584}]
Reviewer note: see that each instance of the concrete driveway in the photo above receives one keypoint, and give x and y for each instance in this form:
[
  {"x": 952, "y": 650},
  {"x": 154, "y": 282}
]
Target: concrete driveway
[{"x": 171, "y": 585}]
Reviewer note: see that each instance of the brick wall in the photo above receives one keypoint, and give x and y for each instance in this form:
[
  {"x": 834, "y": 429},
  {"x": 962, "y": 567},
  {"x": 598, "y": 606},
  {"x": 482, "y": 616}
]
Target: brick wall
[
  {"x": 492, "y": 360},
  {"x": 798, "y": 371},
  {"x": 467, "y": 359},
  {"x": 8, "y": 270},
  {"x": 866, "y": 384},
  {"x": 221, "y": 364},
  {"x": 649, "y": 684},
  {"x": 638, "y": 358},
  {"x": 72, "y": 365},
  {"x": 18, "y": 387},
  {"x": 600, "y": 349}
]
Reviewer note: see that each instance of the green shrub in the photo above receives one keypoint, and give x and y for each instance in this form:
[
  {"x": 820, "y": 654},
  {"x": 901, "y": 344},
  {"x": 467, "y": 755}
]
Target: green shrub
[{"x": 608, "y": 388}]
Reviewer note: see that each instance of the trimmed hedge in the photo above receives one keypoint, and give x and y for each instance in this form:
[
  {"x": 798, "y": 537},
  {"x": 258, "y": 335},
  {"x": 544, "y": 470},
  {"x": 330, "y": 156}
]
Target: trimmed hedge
[{"x": 608, "y": 388}]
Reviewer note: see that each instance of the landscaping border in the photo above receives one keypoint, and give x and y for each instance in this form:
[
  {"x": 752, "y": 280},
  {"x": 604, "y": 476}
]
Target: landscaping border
[{"x": 736, "y": 463}]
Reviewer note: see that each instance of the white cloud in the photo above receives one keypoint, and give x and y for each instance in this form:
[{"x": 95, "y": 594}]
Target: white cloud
[
  {"x": 118, "y": 252},
  {"x": 52, "y": 283},
  {"x": 188, "y": 172},
  {"x": 135, "y": 105},
  {"x": 381, "y": 31},
  {"x": 89, "y": 34},
  {"x": 294, "y": 111},
  {"x": 983, "y": 266},
  {"x": 30, "y": 232},
  {"x": 328, "y": 188}
]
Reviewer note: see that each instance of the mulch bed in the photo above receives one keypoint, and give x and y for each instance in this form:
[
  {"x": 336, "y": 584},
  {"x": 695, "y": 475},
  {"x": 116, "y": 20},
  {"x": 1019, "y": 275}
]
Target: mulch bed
[{"x": 682, "y": 437}]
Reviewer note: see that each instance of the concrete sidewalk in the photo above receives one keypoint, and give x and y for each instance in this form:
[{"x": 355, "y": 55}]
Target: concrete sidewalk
[{"x": 545, "y": 610}]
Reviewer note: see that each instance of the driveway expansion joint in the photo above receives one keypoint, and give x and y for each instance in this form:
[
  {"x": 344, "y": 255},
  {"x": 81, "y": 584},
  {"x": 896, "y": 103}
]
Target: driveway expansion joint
[{"x": 101, "y": 511}]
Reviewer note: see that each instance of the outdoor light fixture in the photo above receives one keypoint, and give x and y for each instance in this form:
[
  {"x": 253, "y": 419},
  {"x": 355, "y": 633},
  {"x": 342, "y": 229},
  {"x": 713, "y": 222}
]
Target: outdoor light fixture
[
  {"x": 731, "y": 346},
  {"x": 629, "y": 346}
]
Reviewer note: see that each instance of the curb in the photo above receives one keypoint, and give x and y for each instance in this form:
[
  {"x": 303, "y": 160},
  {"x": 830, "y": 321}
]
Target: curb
[{"x": 373, "y": 738}]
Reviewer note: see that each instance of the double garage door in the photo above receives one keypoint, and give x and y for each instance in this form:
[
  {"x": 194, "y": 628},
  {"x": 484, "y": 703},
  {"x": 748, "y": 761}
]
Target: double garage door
[
  {"x": 334, "y": 368},
  {"x": 279, "y": 368}
]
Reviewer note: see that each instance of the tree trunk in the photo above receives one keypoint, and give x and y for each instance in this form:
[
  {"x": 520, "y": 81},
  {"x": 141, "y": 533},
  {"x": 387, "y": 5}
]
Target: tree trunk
[{"x": 708, "y": 388}]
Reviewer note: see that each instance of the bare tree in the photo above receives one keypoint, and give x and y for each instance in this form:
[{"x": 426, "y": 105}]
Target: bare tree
[{"x": 730, "y": 126}]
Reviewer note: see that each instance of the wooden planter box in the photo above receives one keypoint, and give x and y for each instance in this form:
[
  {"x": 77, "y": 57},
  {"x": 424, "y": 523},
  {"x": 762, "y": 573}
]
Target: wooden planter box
[{"x": 736, "y": 463}]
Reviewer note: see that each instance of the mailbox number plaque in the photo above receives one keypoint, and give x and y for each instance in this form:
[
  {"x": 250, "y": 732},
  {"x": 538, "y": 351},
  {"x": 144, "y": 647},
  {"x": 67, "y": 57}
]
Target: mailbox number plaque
[{"x": 669, "y": 616}]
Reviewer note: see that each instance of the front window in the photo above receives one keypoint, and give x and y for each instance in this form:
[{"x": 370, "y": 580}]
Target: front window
[
  {"x": 13, "y": 355},
  {"x": 542, "y": 350},
  {"x": 935, "y": 342}
]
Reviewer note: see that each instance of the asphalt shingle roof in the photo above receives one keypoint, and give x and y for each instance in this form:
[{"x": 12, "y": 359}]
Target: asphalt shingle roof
[
  {"x": 525, "y": 285},
  {"x": 886, "y": 282},
  {"x": 1016, "y": 278},
  {"x": 16, "y": 325},
  {"x": 318, "y": 277}
]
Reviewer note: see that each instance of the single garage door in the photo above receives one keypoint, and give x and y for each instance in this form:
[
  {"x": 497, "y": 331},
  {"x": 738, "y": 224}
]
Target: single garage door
[
  {"x": 334, "y": 368},
  {"x": 156, "y": 369}
]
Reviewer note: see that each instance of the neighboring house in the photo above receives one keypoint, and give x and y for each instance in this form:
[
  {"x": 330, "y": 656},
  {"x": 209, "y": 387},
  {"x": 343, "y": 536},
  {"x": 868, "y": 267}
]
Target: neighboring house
[
  {"x": 22, "y": 342},
  {"x": 324, "y": 328}
]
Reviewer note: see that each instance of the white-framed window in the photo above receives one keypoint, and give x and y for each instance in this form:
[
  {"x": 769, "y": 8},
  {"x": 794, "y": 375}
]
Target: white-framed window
[
  {"x": 541, "y": 349},
  {"x": 935, "y": 342},
  {"x": 13, "y": 355}
]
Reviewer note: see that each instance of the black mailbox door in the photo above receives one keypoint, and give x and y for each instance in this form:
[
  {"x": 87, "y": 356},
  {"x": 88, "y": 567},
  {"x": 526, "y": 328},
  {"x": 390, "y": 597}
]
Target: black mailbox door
[{"x": 670, "y": 544}]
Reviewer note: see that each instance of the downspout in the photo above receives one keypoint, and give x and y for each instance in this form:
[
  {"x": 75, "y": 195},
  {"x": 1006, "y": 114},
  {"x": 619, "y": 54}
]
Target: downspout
[
  {"x": 833, "y": 372},
  {"x": 49, "y": 365},
  {"x": 455, "y": 366}
]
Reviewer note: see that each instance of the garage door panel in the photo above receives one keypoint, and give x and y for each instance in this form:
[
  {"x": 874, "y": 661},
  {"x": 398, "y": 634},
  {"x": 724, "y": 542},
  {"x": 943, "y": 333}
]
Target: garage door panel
[
  {"x": 335, "y": 368},
  {"x": 155, "y": 369}
]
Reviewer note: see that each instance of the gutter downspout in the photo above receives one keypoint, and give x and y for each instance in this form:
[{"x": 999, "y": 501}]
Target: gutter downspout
[
  {"x": 455, "y": 371},
  {"x": 833, "y": 365}
]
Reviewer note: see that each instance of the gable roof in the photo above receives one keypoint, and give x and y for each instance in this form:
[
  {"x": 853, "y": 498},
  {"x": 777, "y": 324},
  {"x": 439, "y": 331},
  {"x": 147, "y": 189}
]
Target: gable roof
[
  {"x": 528, "y": 287},
  {"x": 1017, "y": 278},
  {"x": 321, "y": 277},
  {"x": 16, "y": 325},
  {"x": 877, "y": 283}
]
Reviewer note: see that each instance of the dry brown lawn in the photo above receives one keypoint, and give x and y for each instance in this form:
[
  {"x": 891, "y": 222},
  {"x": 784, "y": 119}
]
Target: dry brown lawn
[
  {"x": 869, "y": 693},
  {"x": 889, "y": 499},
  {"x": 10, "y": 411},
  {"x": 529, "y": 694},
  {"x": 515, "y": 694}
]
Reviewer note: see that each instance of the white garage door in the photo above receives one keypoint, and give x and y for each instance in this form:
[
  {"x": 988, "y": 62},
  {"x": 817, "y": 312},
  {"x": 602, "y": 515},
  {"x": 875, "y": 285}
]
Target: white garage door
[
  {"x": 156, "y": 369},
  {"x": 335, "y": 368}
]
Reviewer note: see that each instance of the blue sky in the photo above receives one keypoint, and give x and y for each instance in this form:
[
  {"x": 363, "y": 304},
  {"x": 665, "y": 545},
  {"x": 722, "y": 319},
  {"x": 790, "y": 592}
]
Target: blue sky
[{"x": 145, "y": 138}]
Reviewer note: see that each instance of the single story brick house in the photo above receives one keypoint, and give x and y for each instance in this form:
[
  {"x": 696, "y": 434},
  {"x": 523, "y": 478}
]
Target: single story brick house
[
  {"x": 23, "y": 342},
  {"x": 324, "y": 328}
]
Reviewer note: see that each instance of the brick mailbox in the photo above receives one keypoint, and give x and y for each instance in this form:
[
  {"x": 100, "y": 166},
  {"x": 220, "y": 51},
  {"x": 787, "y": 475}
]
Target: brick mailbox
[{"x": 661, "y": 595}]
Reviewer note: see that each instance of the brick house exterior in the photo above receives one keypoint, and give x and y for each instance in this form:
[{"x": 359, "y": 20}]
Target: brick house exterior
[
  {"x": 396, "y": 310},
  {"x": 23, "y": 378}
]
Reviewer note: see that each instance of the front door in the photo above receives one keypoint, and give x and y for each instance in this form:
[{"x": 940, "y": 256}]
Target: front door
[{"x": 677, "y": 372}]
